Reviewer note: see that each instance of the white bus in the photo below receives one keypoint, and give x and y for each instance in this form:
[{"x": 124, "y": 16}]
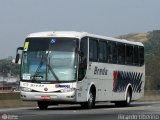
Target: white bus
[{"x": 78, "y": 67}]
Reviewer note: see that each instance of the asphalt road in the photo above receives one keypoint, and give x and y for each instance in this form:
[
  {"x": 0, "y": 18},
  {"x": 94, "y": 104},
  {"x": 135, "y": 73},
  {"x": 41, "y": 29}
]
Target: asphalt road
[{"x": 106, "y": 111}]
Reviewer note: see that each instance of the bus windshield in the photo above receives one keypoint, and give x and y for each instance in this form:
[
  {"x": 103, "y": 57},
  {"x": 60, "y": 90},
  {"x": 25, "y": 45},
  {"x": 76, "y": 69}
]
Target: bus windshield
[{"x": 49, "y": 59}]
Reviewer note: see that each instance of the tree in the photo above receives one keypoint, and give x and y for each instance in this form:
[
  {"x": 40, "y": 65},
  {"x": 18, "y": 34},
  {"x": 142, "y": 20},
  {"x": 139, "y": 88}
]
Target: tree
[{"x": 7, "y": 67}]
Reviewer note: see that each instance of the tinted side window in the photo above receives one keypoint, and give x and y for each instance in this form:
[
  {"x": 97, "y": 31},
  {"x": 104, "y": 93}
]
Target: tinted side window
[
  {"x": 102, "y": 51},
  {"x": 141, "y": 55},
  {"x": 121, "y": 53},
  {"x": 129, "y": 54},
  {"x": 112, "y": 52},
  {"x": 84, "y": 46},
  {"x": 93, "y": 49},
  {"x": 136, "y": 58},
  {"x": 83, "y": 58}
]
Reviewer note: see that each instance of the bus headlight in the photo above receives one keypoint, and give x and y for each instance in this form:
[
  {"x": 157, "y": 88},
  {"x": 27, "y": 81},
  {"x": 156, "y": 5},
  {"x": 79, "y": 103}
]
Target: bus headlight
[
  {"x": 67, "y": 90},
  {"x": 26, "y": 89}
]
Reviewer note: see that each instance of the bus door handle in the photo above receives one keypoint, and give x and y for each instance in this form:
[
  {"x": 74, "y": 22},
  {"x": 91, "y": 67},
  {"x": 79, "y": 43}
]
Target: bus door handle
[{"x": 99, "y": 89}]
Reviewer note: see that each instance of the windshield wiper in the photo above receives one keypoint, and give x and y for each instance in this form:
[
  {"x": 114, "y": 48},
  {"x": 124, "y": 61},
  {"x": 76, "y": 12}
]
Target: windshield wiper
[
  {"x": 37, "y": 70},
  {"x": 52, "y": 71},
  {"x": 39, "y": 67}
]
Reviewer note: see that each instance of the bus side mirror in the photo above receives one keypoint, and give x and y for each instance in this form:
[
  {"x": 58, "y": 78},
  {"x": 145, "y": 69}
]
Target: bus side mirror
[
  {"x": 17, "y": 58},
  {"x": 18, "y": 55}
]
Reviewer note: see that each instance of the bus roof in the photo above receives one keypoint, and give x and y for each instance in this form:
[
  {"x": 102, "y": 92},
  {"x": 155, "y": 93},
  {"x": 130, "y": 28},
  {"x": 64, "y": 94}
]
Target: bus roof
[{"x": 79, "y": 35}]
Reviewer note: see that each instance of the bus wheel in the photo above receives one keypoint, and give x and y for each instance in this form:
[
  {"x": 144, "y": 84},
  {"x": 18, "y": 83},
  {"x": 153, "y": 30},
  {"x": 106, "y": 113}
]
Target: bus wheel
[
  {"x": 42, "y": 105},
  {"x": 128, "y": 99},
  {"x": 125, "y": 103},
  {"x": 91, "y": 101}
]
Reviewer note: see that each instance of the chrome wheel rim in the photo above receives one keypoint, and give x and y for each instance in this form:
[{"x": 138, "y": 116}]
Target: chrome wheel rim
[
  {"x": 90, "y": 98},
  {"x": 128, "y": 98}
]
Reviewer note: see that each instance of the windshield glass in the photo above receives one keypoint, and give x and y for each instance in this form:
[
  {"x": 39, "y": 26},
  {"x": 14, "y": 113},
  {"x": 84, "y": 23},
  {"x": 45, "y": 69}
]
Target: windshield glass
[{"x": 49, "y": 59}]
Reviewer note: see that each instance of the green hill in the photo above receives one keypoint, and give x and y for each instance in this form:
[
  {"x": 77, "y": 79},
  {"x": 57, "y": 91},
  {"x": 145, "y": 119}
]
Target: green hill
[{"x": 151, "y": 40}]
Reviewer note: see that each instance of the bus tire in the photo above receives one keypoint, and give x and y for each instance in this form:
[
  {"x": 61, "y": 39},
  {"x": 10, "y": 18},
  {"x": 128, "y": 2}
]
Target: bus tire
[
  {"x": 43, "y": 105},
  {"x": 125, "y": 103},
  {"x": 128, "y": 98},
  {"x": 91, "y": 101}
]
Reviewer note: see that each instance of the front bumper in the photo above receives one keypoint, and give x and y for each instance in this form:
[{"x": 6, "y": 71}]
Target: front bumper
[{"x": 56, "y": 97}]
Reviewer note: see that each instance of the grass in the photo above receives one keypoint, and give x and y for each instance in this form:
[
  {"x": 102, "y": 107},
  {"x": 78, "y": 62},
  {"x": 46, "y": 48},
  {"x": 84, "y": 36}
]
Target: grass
[
  {"x": 150, "y": 98},
  {"x": 16, "y": 103}
]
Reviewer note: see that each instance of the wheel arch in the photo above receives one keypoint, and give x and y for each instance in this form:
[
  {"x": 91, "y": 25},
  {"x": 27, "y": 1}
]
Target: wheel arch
[{"x": 91, "y": 87}]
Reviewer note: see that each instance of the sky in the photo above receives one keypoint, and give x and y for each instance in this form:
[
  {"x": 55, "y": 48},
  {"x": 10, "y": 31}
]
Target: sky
[{"x": 110, "y": 18}]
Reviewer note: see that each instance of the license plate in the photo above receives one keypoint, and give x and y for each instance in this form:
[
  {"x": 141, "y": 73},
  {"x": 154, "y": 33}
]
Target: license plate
[{"x": 45, "y": 97}]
